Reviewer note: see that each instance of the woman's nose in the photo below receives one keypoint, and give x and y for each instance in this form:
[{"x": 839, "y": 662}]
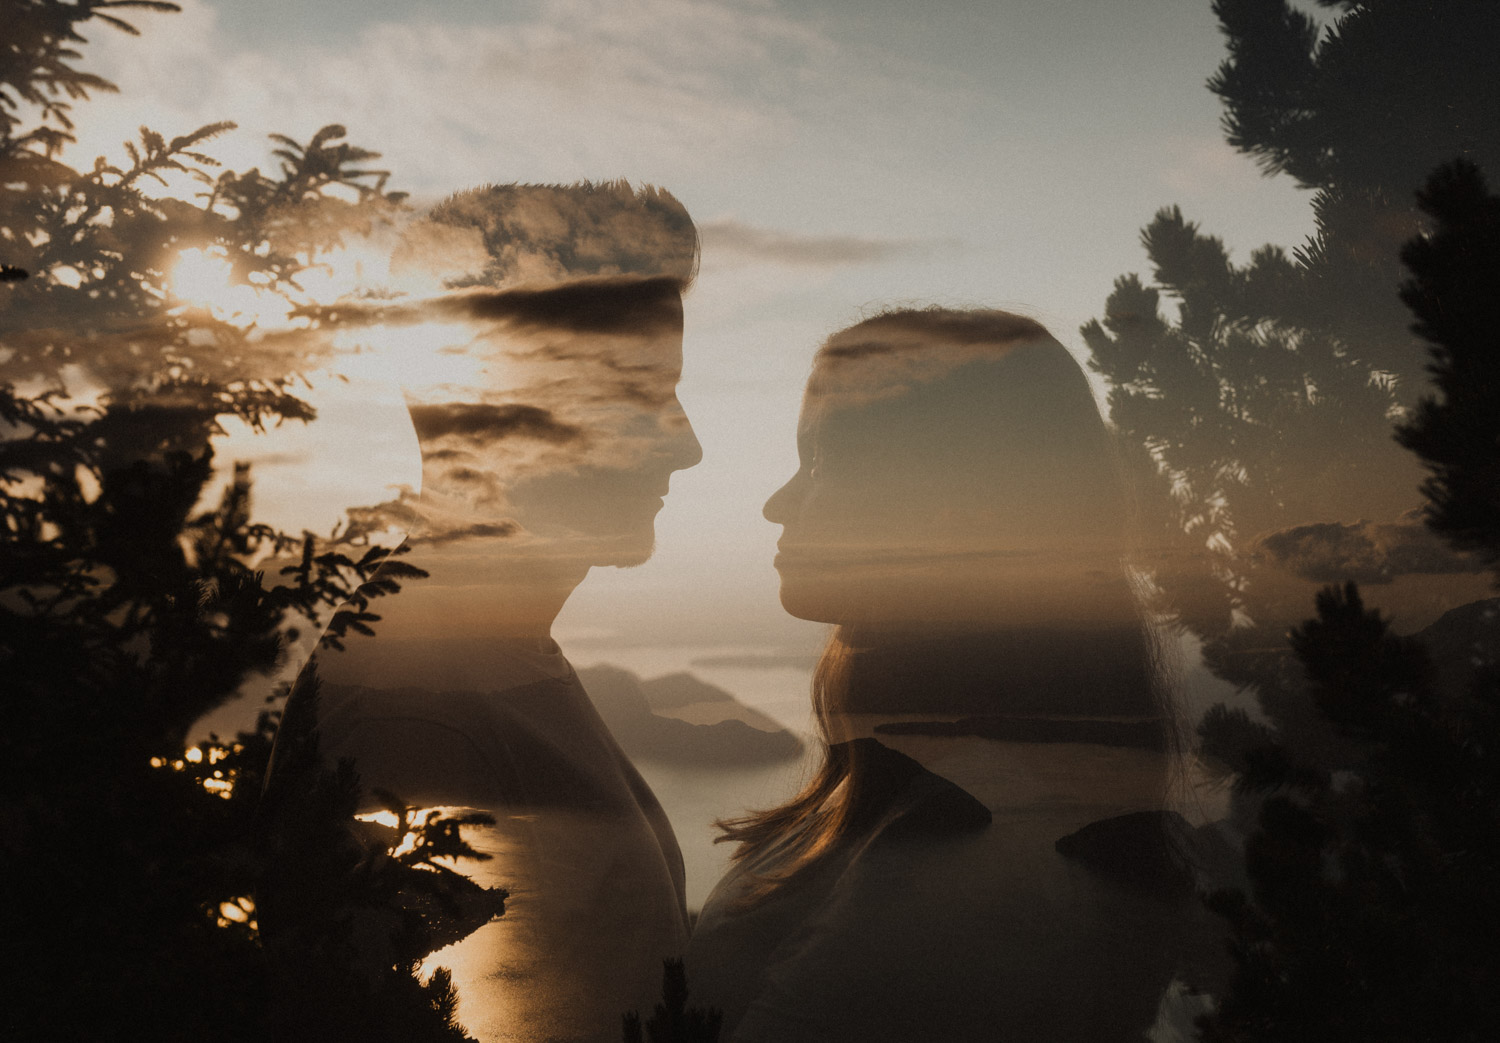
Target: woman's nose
[{"x": 781, "y": 507}]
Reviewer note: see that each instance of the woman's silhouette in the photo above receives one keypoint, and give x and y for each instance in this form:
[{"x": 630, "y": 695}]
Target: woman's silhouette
[{"x": 984, "y": 852}]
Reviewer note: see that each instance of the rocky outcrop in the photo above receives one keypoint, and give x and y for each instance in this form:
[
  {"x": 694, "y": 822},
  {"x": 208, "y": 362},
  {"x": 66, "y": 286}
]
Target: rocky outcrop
[{"x": 628, "y": 706}]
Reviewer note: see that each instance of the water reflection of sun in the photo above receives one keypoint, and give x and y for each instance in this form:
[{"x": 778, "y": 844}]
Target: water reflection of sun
[
  {"x": 416, "y": 818},
  {"x": 217, "y": 781}
]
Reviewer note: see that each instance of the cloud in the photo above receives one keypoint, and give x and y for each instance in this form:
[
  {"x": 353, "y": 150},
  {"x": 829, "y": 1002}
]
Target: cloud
[
  {"x": 1363, "y": 551},
  {"x": 558, "y": 91},
  {"x": 767, "y": 245},
  {"x": 618, "y": 305},
  {"x": 1198, "y": 164},
  {"x": 890, "y": 353},
  {"x": 537, "y": 234},
  {"x": 469, "y": 475},
  {"x": 477, "y": 531},
  {"x": 555, "y": 365},
  {"x": 425, "y": 525},
  {"x": 482, "y": 424}
]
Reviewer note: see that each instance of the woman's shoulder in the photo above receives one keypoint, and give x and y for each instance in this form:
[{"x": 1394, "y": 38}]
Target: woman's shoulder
[{"x": 907, "y": 803}]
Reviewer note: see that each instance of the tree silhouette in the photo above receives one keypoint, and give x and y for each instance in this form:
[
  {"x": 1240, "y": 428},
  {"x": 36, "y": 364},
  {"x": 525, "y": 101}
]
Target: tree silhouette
[
  {"x": 128, "y": 611},
  {"x": 1455, "y": 275},
  {"x": 1266, "y": 400},
  {"x": 673, "y": 1021},
  {"x": 1266, "y": 404},
  {"x": 351, "y": 907},
  {"x": 1375, "y": 867}
]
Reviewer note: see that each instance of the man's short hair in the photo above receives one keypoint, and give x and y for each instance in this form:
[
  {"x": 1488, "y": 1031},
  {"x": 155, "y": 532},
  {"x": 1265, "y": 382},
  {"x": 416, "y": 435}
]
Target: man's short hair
[{"x": 503, "y": 236}]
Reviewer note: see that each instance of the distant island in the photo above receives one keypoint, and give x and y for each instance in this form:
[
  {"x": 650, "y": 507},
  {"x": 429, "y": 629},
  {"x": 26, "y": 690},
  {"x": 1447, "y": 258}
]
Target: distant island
[
  {"x": 1146, "y": 734},
  {"x": 682, "y": 719},
  {"x": 758, "y": 661}
]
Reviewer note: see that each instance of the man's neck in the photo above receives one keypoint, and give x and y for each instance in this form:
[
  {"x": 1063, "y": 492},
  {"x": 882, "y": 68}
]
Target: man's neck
[{"x": 483, "y": 589}]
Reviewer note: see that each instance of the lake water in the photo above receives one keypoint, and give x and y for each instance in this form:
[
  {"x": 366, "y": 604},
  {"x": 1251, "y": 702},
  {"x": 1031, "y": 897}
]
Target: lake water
[
  {"x": 522, "y": 977},
  {"x": 510, "y": 983},
  {"x": 694, "y": 796}
]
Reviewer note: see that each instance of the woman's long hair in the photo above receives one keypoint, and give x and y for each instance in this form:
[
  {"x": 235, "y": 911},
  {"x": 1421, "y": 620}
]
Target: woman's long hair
[{"x": 1026, "y": 674}]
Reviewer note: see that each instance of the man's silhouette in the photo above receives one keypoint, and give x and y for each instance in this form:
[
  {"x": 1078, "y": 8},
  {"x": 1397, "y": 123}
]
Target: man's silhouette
[{"x": 541, "y": 383}]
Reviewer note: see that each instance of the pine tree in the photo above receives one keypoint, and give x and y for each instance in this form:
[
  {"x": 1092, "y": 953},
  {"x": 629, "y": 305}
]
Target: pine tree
[
  {"x": 128, "y": 611},
  {"x": 1266, "y": 401},
  {"x": 1374, "y": 901},
  {"x": 673, "y": 1021},
  {"x": 1455, "y": 294}
]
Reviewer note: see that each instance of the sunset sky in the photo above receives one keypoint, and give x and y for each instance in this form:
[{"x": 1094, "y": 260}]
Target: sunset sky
[{"x": 837, "y": 156}]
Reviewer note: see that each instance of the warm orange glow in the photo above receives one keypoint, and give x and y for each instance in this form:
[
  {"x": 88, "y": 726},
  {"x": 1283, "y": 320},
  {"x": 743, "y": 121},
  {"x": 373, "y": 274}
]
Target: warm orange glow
[
  {"x": 202, "y": 278},
  {"x": 317, "y": 478},
  {"x": 388, "y": 819},
  {"x": 235, "y": 911},
  {"x": 408, "y": 844},
  {"x": 359, "y": 265},
  {"x": 220, "y": 784},
  {"x": 427, "y": 355},
  {"x": 416, "y": 817}
]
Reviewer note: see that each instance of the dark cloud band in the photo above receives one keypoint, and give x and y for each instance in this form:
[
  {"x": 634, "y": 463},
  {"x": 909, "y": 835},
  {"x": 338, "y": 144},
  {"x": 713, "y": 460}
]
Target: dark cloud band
[
  {"x": 480, "y": 531},
  {"x": 618, "y": 305},
  {"x": 1365, "y": 552},
  {"x": 481, "y": 423}
]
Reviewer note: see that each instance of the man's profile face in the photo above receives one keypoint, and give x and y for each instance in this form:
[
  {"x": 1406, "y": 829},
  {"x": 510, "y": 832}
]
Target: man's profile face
[
  {"x": 634, "y": 435},
  {"x": 556, "y": 423}
]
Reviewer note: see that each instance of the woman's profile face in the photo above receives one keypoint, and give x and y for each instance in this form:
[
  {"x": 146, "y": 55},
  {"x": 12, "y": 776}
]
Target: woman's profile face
[
  {"x": 882, "y": 511},
  {"x": 959, "y": 495},
  {"x": 816, "y": 509}
]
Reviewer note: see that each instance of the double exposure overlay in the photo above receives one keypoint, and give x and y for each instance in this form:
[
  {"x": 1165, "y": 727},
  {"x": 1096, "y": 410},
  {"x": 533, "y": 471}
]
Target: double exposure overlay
[{"x": 743, "y": 522}]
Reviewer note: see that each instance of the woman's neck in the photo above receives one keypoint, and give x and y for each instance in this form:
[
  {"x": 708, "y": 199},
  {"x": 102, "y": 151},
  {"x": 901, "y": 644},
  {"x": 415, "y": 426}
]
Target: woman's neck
[{"x": 1034, "y": 671}]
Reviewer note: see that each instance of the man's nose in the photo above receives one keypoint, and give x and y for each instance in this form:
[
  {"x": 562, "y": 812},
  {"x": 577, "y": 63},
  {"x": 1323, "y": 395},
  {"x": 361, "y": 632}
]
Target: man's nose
[
  {"x": 685, "y": 450},
  {"x": 689, "y": 451}
]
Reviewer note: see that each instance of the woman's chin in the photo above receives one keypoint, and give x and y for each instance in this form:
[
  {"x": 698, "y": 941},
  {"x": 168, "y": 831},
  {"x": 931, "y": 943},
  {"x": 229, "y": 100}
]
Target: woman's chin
[
  {"x": 837, "y": 603},
  {"x": 805, "y": 603},
  {"x": 914, "y": 609}
]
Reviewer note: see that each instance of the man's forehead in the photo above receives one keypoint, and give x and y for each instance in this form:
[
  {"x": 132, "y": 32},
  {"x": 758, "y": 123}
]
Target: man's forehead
[
  {"x": 623, "y": 351},
  {"x": 614, "y": 305}
]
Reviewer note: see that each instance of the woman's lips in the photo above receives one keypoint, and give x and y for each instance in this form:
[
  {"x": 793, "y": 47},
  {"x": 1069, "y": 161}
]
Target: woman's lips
[{"x": 791, "y": 556}]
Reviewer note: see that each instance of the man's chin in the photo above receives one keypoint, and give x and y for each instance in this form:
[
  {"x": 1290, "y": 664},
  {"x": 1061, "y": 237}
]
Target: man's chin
[
  {"x": 574, "y": 551},
  {"x": 628, "y": 553}
]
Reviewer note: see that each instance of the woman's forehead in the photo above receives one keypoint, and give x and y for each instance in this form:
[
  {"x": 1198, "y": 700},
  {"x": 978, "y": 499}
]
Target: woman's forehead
[
  {"x": 855, "y": 368},
  {"x": 999, "y": 401}
]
